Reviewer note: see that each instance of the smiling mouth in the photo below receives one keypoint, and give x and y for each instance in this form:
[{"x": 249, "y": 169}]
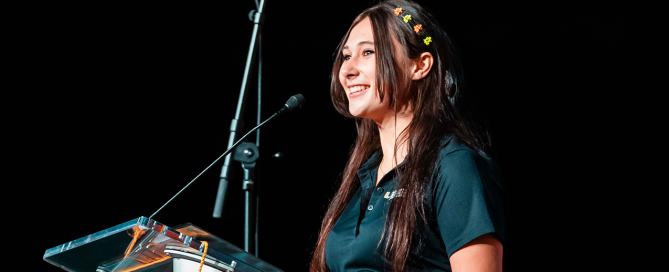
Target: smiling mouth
[{"x": 357, "y": 89}]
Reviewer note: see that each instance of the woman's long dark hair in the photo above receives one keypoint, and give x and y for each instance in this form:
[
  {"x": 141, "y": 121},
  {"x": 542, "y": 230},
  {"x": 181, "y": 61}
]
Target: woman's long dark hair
[{"x": 432, "y": 102}]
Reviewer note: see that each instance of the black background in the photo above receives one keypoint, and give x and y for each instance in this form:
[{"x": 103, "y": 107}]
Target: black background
[{"x": 121, "y": 105}]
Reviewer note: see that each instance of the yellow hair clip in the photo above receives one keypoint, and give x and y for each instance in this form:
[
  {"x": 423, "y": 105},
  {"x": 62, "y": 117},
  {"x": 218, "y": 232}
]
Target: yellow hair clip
[{"x": 427, "y": 40}]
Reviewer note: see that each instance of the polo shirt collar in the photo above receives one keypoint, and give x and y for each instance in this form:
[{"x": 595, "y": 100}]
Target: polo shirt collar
[
  {"x": 365, "y": 170},
  {"x": 446, "y": 140}
]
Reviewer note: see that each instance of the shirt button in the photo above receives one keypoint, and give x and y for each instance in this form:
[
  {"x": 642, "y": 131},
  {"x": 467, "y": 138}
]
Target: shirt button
[
  {"x": 379, "y": 190},
  {"x": 370, "y": 207}
]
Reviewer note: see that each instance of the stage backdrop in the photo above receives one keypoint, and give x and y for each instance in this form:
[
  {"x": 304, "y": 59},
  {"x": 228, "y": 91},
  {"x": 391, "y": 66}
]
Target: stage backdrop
[{"x": 123, "y": 104}]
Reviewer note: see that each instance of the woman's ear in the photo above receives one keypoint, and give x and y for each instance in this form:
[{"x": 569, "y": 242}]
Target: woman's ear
[{"x": 421, "y": 65}]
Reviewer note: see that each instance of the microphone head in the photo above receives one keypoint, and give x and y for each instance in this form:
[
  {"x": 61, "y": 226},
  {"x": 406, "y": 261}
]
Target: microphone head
[{"x": 295, "y": 102}]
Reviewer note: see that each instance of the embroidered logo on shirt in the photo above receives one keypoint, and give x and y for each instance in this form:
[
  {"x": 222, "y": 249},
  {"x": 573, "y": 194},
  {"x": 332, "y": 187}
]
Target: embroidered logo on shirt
[{"x": 393, "y": 194}]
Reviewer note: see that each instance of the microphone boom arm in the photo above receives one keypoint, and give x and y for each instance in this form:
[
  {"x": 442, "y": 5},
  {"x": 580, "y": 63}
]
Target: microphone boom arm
[{"x": 217, "y": 159}]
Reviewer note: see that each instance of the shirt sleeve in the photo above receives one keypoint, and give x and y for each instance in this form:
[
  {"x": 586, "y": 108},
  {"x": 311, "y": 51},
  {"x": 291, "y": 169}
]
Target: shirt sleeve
[{"x": 468, "y": 200}]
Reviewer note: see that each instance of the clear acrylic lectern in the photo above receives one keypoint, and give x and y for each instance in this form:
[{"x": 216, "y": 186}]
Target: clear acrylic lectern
[{"x": 143, "y": 244}]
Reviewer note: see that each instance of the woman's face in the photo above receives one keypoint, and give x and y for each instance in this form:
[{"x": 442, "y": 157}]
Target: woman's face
[{"x": 358, "y": 73}]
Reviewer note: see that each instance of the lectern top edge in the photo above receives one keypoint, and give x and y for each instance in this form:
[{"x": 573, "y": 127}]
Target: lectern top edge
[
  {"x": 141, "y": 222},
  {"x": 150, "y": 246}
]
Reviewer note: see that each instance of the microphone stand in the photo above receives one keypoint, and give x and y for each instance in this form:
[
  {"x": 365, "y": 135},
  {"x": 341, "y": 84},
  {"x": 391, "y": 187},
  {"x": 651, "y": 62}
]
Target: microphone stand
[
  {"x": 250, "y": 230},
  {"x": 248, "y": 153}
]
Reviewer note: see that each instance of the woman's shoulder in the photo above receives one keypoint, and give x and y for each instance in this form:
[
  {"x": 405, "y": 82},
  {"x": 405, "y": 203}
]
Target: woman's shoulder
[
  {"x": 451, "y": 144},
  {"x": 453, "y": 148},
  {"x": 456, "y": 158}
]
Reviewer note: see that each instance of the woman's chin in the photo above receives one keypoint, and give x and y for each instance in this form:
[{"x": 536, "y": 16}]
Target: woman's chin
[
  {"x": 356, "y": 113},
  {"x": 357, "y": 110}
]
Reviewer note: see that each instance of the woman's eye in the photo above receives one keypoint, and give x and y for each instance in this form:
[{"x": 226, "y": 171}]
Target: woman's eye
[{"x": 364, "y": 53}]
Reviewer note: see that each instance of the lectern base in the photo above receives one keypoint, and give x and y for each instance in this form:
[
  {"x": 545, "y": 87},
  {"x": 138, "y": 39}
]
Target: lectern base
[{"x": 188, "y": 260}]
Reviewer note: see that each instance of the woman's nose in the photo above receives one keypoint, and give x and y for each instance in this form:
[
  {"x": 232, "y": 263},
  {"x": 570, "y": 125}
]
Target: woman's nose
[{"x": 349, "y": 69}]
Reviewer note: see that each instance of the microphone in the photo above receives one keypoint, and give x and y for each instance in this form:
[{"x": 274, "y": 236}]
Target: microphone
[{"x": 293, "y": 103}]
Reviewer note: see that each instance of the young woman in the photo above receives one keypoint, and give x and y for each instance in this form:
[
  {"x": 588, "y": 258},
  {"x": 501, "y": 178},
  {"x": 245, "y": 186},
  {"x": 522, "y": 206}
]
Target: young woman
[{"x": 418, "y": 192}]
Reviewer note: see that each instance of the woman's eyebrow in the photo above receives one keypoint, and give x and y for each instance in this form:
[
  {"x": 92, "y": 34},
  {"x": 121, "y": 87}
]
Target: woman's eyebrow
[{"x": 360, "y": 43}]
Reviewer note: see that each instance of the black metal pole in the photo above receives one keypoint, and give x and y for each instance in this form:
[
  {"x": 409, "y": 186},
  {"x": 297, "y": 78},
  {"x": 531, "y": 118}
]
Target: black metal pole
[
  {"x": 237, "y": 123},
  {"x": 257, "y": 189},
  {"x": 249, "y": 210}
]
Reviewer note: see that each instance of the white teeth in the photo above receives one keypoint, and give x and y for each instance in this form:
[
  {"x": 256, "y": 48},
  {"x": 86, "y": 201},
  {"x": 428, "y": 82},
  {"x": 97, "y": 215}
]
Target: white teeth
[{"x": 356, "y": 89}]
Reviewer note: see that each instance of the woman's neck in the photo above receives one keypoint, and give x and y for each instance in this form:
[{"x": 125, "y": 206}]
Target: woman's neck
[{"x": 390, "y": 129}]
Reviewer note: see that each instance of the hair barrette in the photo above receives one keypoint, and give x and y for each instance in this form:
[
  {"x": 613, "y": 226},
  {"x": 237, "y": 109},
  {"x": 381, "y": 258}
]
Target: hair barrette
[
  {"x": 427, "y": 40},
  {"x": 417, "y": 28}
]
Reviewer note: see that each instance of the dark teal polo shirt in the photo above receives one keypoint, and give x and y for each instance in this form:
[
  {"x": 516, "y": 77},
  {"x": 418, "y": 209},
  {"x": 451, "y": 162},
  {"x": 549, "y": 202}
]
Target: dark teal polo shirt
[{"x": 463, "y": 201}]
